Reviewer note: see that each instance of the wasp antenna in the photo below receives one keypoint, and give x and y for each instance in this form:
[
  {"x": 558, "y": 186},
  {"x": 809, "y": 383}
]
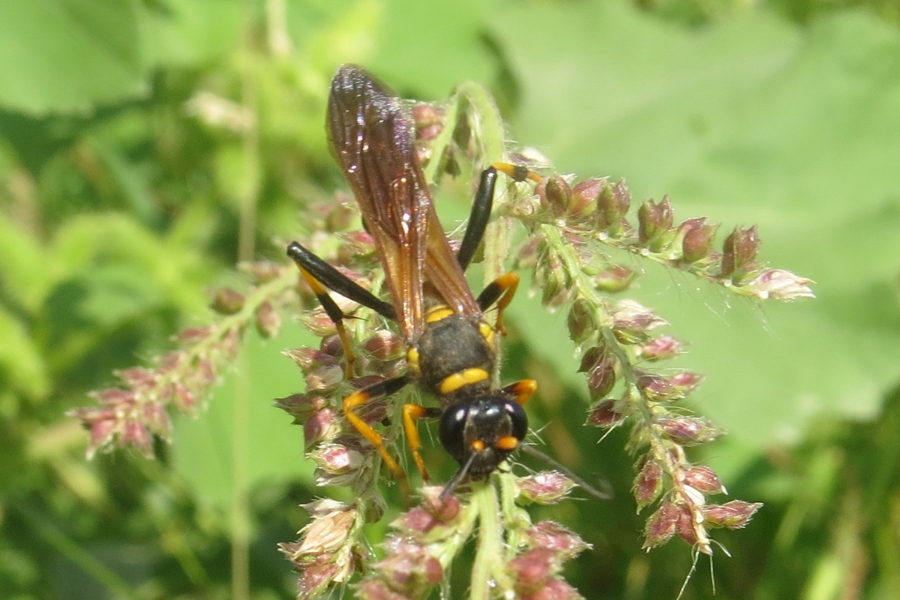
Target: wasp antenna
[
  {"x": 606, "y": 494},
  {"x": 458, "y": 477}
]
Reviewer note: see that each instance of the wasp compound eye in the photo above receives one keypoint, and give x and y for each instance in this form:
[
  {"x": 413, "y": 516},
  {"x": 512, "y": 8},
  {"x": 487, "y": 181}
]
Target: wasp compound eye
[
  {"x": 452, "y": 431},
  {"x": 517, "y": 418}
]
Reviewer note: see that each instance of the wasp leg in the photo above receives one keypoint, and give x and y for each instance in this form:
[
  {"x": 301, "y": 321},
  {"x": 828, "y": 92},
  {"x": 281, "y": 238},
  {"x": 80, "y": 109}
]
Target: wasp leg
[
  {"x": 521, "y": 391},
  {"x": 501, "y": 292},
  {"x": 359, "y": 398},
  {"x": 483, "y": 204},
  {"x": 517, "y": 173},
  {"x": 320, "y": 276},
  {"x": 478, "y": 218},
  {"x": 412, "y": 412}
]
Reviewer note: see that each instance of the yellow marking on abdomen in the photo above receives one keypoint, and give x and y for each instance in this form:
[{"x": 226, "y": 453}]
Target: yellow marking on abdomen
[
  {"x": 457, "y": 380},
  {"x": 436, "y": 314},
  {"x": 412, "y": 359},
  {"x": 487, "y": 332}
]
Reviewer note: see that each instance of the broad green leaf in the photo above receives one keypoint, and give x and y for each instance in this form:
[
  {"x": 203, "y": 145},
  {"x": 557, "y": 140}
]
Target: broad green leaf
[
  {"x": 184, "y": 33},
  {"x": 68, "y": 55},
  {"x": 22, "y": 367},
  {"x": 102, "y": 297},
  {"x": 749, "y": 121},
  {"x": 24, "y": 276},
  {"x": 173, "y": 264},
  {"x": 203, "y": 448},
  {"x": 431, "y": 46}
]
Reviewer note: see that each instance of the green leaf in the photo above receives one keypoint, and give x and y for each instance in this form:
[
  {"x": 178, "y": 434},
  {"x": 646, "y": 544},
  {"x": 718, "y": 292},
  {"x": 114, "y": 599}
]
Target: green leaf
[
  {"x": 750, "y": 121},
  {"x": 25, "y": 276},
  {"x": 68, "y": 55},
  {"x": 189, "y": 32},
  {"x": 431, "y": 46},
  {"x": 22, "y": 367},
  {"x": 203, "y": 449}
]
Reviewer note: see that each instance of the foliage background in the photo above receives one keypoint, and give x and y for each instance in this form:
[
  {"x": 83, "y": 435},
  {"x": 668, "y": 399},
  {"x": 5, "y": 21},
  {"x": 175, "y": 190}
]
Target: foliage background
[{"x": 119, "y": 208}]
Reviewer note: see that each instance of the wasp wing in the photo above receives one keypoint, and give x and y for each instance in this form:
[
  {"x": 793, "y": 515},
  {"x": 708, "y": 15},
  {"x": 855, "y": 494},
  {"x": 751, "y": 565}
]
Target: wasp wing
[{"x": 372, "y": 137}]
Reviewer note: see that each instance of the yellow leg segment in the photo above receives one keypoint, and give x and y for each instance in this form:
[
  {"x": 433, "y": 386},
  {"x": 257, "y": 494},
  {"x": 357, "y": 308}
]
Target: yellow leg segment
[
  {"x": 517, "y": 172},
  {"x": 522, "y": 390},
  {"x": 357, "y": 399},
  {"x": 325, "y": 300},
  {"x": 508, "y": 283},
  {"x": 411, "y": 412}
]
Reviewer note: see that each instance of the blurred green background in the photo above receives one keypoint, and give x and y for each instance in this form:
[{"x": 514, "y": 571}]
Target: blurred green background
[{"x": 119, "y": 207}]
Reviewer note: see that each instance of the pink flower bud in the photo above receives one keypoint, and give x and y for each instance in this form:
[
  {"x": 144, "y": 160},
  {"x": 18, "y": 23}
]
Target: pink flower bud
[
  {"x": 427, "y": 115},
  {"x": 360, "y": 243},
  {"x": 688, "y": 430},
  {"x": 547, "y": 487},
  {"x": 372, "y": 588},
  {"x": 157, "y": 419},
  {"x": 613, "y": 202},
  {"x": 661, "y": 525},
  {"x": 555, "y": 589},
  {"x": 697, "y": 239},
  {"x": 261, "y": 271},
  {"x": 555, "y": 537},
  {"x": 657, "y": 388},
  {"x": 315, "y": 578},
  {"x": 733, "y": 515},
  {"x": 600, "y": 366},
  {"x": 193, "y": 335},
  {"x": 533, "y": 569},
  {"x": 310, "y": 358},
  {"x": 137, "y": 377},
  {"x": 632, "y": 320},
  {"x": 660, "y": 348},
  {"x": 648, "y": 484},
  {"x": 604, "y": 414},
  {"x": 227, "y": 301},
  {"x": 113, "y": 397},
  {"x": 102, "y": 433},
  {"x": 185, "y": 399},
  {"x": 407, "y": 568},
  {"x": 324, "y": 378},
  {"x": 336, "y": 459},
  {"x": 687, "y": 527},
  {"x": 557, "y": 194},
  {"x": 136, "y": 434},
  {"x": 301, "y": 406},
  {"x": 739, "y": 251},
  {"x": 339, "y": 217},
  {"x": 328, "y": 531},
  {"x": 318, "y": 323},
  {"x": 584, "y": 197},
  {"x": 654, "y": 223},
  {"x": 332, "y": 345},
  {"x": 780, "y": 285},
  {"x": 582, "y": 320},
  {"x": 416, "y": 521},
  {"x": 268, "y": 321},
  {"x": 614, "y": 279},
  {"x": 321, "y": 426},
  {"x": 445, "y": 509},
  {"x": 385, "y": 345},
  {"x": 685, "y": 382},
  {"x": 704, "y": 479}
]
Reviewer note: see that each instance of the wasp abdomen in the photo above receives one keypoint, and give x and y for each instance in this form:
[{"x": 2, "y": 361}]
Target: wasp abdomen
[{"x": 455, "y": 361}]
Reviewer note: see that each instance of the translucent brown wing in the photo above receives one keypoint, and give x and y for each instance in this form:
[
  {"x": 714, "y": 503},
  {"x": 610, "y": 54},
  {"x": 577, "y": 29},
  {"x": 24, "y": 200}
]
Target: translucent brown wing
[{"x": 372, "y": 138}]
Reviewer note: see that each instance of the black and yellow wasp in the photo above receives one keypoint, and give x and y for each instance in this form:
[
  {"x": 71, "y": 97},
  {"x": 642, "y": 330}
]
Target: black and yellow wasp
[{"x": 452, "y": 350}]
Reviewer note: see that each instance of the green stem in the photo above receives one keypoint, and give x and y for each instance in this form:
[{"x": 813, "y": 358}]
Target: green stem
[{"x": 490, "y": 541}]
